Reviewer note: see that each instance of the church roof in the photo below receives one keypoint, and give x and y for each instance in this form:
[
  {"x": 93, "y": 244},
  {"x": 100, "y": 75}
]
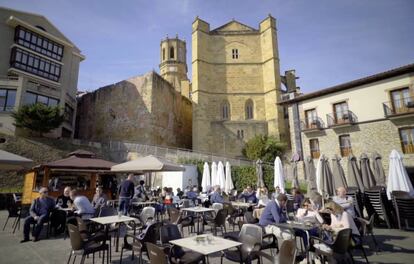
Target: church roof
[{"x": 234, "y": 26}]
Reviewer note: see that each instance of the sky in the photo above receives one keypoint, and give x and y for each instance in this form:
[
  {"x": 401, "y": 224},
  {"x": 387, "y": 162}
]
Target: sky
[{"x": 327, "y": 42}]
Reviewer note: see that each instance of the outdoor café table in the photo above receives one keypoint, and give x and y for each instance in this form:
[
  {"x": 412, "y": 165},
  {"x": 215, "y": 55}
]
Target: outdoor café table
[
  {"x": 198, "y": 210},
  {"x": 205, "y": 244},
  {"x": 113, "y": 219},
  {"x": 143, "y": 203},
  {"x": 242, "y": 204},
  {"x": 292, "y": 225}
]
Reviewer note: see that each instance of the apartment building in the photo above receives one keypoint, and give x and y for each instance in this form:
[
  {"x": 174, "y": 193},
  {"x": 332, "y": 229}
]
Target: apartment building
[{"x": 38, "y": 64}]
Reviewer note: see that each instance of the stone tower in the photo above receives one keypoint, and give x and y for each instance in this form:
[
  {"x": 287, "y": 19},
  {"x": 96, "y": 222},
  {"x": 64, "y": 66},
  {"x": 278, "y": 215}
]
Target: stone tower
[
  {"x": 236, "y": 85},
  {"x": 173, "y": 64}
]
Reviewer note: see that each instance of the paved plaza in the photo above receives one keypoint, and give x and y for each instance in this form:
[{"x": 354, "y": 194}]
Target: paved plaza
[{"x": 396, "y": 247}]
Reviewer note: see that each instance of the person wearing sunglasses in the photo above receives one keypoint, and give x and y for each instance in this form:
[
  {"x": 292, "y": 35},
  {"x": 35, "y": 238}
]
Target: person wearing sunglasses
[{"x": 39, "y": 214}]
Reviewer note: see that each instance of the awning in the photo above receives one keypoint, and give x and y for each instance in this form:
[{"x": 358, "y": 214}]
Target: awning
[
  {"x": 10, "y": 161},
  {"x": 147, "y": 164}
]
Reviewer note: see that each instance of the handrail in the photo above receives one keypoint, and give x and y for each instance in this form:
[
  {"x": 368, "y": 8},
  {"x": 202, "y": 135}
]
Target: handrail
[
  {"x": 399, "y": 106},
  {"x": 312, "y": 124},
  {"x": 9, "y": 78},
  {"x": 341, "y": 118}
]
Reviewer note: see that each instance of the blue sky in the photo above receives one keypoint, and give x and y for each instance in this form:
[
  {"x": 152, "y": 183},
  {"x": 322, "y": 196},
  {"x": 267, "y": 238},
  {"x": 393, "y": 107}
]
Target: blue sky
[{"x": 327, "y": 42}]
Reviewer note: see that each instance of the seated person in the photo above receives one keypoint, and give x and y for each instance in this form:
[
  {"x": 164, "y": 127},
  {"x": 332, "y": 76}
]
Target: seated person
[
  {"x": 193, "y": 193},
  {"x": 273, "y": 213},
  {"x": 262, "y": 196},
  {"x": 215, "y": 196},
  {"x": 308, "y": 213},
  {"x": 39, "y": 214},
  {"x": 82, "y": 206},
  {"x": 58, "y": 217},
  {"x": 140, "y": 192},
  {"x": 180, "y": 193},
  {"x": 340, "y": 219},
  {"x": 345, "y": 201},
  {"x": 248, "y": 195},
  {"x": 276, "y": 193},
  {"x": 99, "y": 199},
  {"x": 297, "y": 198}
]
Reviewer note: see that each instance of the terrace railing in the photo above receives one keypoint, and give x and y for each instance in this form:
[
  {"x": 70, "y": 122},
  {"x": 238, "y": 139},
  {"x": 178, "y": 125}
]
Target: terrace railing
[
  {"x": 312, "y": 124},
  {"x": 398, "y": 107},
  {"x": 341, "y": 118}
]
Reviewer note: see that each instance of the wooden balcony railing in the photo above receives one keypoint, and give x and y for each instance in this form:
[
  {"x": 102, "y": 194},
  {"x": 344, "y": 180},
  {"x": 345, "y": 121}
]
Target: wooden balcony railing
[{"x": 398, "y": 107}]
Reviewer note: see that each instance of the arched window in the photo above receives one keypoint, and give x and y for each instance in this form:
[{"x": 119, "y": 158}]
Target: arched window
[
  {"x": 225, "y": 110},
  {"x": 163, "y": 53},
  {"x": 172, "y": 53},
  {"x": 249, "y": 109}
]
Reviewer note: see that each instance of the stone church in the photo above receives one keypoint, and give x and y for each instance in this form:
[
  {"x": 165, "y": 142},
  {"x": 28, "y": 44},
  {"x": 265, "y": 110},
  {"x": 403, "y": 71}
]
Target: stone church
[{"x": 236, "y": 85}]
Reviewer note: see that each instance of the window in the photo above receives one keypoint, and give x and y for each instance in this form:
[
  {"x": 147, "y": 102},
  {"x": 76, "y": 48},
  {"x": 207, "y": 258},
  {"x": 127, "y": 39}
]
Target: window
[
  {"x": 225, "y": 110},
  {"x": 7, "y": 100},
  {"x": 314, "y": 148},
  {"x": 68, "y": 113},
  {"x": 31, "y": 63},
  {"x": 407, "y": 139},
  {"x": 163, "y": 53},
  {"x": 38, "y": 43},
  {"x": 235, "y": 53},
  {"x": 32, "y": 98},
  {"x": 240, "y": 134},
  {"x": 341, "y": 113},
  {"x": 400, "y": 100},
  {"x": 172, "y": 53},
  {"x": 345, "y": 145},
  {"x": 311, "y": 118},
  {"x": 249, "y": 109}
]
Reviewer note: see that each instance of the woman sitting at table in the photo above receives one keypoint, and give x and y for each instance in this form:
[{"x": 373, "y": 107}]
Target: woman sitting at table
[
  {"x": 340, "y": 219},
  {"x": 308, "y": 212},
  {"x": 263, "y": 197},
  {"x": 99, "y": 199}
]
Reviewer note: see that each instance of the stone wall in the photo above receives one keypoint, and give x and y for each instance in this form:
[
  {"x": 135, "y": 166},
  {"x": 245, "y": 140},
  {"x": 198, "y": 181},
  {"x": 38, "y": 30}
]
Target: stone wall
[{"x": 145, "y": 109}]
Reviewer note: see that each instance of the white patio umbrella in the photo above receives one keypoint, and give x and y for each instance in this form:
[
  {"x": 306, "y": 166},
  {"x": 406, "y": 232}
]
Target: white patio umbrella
[
  {"x": 229, "y": 186},
  {"x": 398, "y": 179},
  {"x": 319, "y": 175},
  {"x": 279, "y": 177},
  {"x": 10, "y": 161},
  {"x": 220, "y": 175},
  {"x": 206, "y": 181},
  {"x": 214, "y": 179}
]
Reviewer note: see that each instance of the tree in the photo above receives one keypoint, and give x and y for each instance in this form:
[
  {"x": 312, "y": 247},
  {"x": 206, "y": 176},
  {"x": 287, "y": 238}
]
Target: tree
[
  {"x": 264, "y": 147},
  {"x": 38, "y": 118}
]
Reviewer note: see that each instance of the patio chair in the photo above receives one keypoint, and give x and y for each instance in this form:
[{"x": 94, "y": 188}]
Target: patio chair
[
  {"x": 177, "y": 218},
  {"x": 358, "y": 241},
  {"x": 217, "y": 206},
  {"x": 375, "y": 200},
  {"x": 80, "y": 247},
  {"x": 155, "y": 254},
  {"x": 218, "y": 221},
  {"x": 357, "y": 198},
  {"x": 233, "y": 213},
  {"x": 367, "y": 228},
  {"x": 339, "y": 249},
  {"x": 249, "y": 218},
  {"x": 13, "y": 210},
  {"x": 287, "y": 254},
  {"x": 404, "y": 208},
  {"x": 251, "y": 238},
  {"x": 175, "y": 253},
  {"x": 150, "y": 234}
]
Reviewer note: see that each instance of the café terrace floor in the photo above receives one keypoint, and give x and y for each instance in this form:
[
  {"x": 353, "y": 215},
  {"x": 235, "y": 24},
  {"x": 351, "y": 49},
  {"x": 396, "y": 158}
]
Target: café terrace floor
[{"x": 396, "y": 247}]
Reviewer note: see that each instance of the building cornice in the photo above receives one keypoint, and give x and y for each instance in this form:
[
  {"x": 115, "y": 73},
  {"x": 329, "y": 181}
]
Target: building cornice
[{"x": 41, "y": 79}]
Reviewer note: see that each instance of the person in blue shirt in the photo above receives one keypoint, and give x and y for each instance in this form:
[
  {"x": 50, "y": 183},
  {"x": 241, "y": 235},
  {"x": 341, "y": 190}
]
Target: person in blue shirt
[
  {"x": 126, "y": 193},
  {"x": 215, "y": 196},
  {"x": 192, "y": 194},
  {"x": 273, "y": 212},
  {"x": 248, "y": 195}
]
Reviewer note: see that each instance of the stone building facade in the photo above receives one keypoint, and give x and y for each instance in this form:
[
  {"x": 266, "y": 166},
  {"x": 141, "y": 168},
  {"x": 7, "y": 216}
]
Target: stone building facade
[
  {"x": 38, "y": 64},
  {"x": 236, "y": 85},
  {"x": 372, "y": 114},
  {"x": 145, "y": 109}
]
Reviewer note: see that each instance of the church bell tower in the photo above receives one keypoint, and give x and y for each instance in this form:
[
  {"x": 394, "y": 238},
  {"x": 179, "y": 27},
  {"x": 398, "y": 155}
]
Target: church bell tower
[{"x": 173, "y": 65}]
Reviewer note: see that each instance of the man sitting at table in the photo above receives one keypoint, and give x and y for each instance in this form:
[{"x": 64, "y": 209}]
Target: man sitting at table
[
  {"x": 345, "y": 201},
  {"x": 39, "y": 214},
  {"x": 273, "y": 214},
  {"x": 58, "y": 217},
  {"x": 248, "y": 195},
  {"x": 82, "y": 206},
  {"x": 215, "y": 196}
]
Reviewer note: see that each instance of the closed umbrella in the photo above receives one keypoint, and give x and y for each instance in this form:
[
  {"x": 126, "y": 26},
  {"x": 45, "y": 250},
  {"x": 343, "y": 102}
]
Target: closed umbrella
[
  {"x": 338, "y": 173},
  {"x": 310, "y": 174},
  {"x": 367, "y": 176},
  {"x": 354, "y": 174},
  {"x": 279, "y": 177},
  {"x": 398, "y": 179},
  {"x": 220, "y": 175},
  {"x": 377, "y": 169},
  {"x": 214, "y": 179},
  {"x": 325, "y": 177},
  {"x": 206, "y": 181},
  {"x": 295, "y": 160},
  {"x": 319, "y": 175},
  {"x": 229, "y": 186},
  {"x": 259, "y": 174}
]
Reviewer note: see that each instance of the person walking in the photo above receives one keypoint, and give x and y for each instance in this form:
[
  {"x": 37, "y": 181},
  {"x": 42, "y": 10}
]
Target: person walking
[{"x": 126, "y": 193}]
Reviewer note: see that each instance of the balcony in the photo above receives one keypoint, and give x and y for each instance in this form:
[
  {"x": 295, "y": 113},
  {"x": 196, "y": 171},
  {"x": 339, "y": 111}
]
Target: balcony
[
  {"x": 340, "y": 119},
  {"x": 399, "y": 108},
  {"x": 310, "y": 125}
]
